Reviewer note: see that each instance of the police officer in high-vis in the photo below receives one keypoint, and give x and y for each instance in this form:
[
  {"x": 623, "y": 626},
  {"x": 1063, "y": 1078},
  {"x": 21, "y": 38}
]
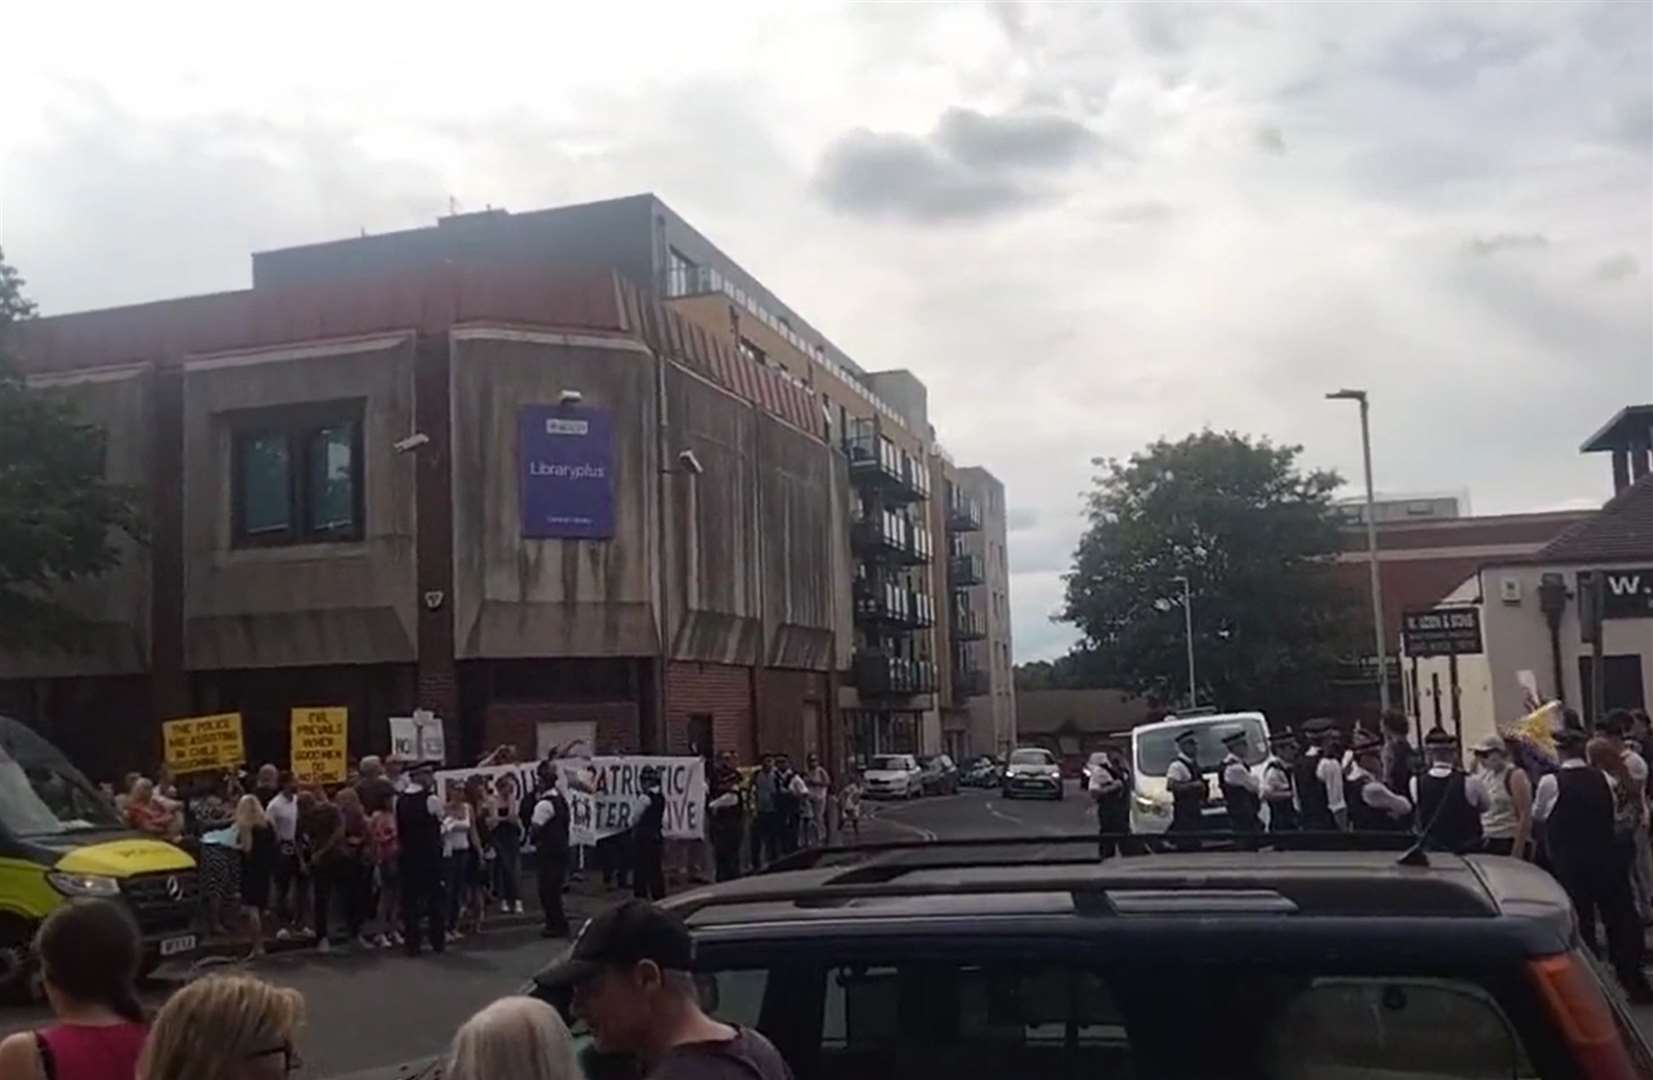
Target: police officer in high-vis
[
  {"x": 1187, "y": 785},
  {"x": 1449, "y": 801},
  {"x": 1109, "y": 788},
  {"x": 1279, "y": 789},
  {"x": 1242, "y": 792}
]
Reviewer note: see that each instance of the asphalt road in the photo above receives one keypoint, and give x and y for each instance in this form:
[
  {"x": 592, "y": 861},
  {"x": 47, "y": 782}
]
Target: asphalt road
[{"x": 975, "y": 812}]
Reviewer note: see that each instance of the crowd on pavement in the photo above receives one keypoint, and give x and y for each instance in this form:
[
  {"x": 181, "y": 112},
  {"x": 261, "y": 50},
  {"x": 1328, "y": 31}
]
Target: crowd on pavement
[
  {"x": 628, "y": 975},
  {"x": 1583, "y": 816},
  {"x": 385, "y": 860}
]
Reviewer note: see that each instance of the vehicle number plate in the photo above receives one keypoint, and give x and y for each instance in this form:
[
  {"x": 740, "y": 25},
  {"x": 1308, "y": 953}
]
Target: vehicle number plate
[{"x": 174, "y": 946}]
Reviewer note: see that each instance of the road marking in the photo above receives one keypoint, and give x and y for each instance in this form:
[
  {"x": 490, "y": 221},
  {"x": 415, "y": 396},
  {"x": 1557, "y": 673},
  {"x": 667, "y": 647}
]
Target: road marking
[{"x": 922, "y": 834}]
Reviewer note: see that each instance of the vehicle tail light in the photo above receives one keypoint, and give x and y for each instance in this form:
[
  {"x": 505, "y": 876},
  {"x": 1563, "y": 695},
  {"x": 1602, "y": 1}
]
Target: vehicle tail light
[{"x": 1574, "y": 1000}]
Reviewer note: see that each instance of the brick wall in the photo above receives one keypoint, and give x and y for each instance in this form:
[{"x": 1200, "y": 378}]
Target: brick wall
[
  {"x": 517, "y": 723},
  {"x": 792, "y": 713},
  {"x": 724, "y": 691}
]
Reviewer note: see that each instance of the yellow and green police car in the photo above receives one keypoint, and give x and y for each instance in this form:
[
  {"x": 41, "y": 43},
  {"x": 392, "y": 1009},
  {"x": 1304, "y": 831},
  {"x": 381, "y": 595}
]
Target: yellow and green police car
[{"x": 61, "y": 838}]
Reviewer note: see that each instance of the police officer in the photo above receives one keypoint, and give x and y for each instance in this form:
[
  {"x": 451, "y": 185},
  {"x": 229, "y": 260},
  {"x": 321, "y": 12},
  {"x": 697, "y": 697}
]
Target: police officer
[
  {"x": 1111, "y": 793},
  {"x": 1319, "y": 780},
  {"x": 1242, "y": 792},
  {"x": 1449, "y": 801},
  {"x": 649, "y": 839},
  {"x": 1187, "y": 785},
  {"x": 1279, "y": 790},
  {"x": 1372, "y": 806},
  {"x": 549, "y": 827},
  {"x": 1575, "y": 804}
]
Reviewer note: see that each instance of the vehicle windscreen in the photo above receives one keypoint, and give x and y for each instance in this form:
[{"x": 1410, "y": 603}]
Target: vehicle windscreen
[
  {"x": 43, "y": 797},
  {"x": 890, "y": 763},
  {"x": 1031, "y": 757},
  {"x": 1155, "y": 750}
]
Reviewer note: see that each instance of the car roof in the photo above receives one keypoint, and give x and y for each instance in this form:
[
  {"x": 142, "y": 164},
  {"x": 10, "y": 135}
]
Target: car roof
[
  {"x": 1054, "y": 877},
  {"x": 1211, "y": 718}
]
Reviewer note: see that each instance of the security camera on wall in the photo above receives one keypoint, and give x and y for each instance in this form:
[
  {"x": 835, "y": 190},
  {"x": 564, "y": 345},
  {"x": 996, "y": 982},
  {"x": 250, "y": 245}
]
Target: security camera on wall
[
  {"x": 412, "y": 442},
  {"x": 690, "y": 463},
  {"x": 570, "y": 397}
]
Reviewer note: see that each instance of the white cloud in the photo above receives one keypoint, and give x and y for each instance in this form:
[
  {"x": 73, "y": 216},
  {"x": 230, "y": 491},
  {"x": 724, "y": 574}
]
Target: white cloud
[{"x": 1451, "y": 205}]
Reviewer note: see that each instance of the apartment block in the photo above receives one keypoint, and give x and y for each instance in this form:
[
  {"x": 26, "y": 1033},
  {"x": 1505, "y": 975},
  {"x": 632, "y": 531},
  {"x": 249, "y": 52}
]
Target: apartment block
[{"x": 564, "y": 476}]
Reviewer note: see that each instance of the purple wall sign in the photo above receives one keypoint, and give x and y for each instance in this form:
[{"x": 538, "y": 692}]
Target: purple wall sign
[{"x": 565, "y": 458}]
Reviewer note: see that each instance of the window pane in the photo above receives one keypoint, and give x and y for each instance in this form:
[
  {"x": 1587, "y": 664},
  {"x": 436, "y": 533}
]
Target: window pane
[
  {"x": 265, "y": 466},
  {"x": 332, "y": 487}
]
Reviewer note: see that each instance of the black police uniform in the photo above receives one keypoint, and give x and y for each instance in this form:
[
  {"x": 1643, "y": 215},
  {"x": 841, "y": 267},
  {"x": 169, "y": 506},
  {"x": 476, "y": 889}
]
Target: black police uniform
[
  {"x": 649, "y": 846},
  {"x": 551, "y": 847},
  {"x": 1188, "y": 805},
  {"x": 1282, "y": 812},
  {"x": 1113, "y": 812}
]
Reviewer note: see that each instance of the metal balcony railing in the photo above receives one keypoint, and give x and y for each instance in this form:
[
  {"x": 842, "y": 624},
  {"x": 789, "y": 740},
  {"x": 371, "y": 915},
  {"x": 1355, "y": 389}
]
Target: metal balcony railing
[
  {"x": 969, "y": 682},
  {"x": 963, "y": 512},
  {"x": 878, "y": 673},
  {"x": 965, "y": 570},
  {"x": 968, "y": 625}
]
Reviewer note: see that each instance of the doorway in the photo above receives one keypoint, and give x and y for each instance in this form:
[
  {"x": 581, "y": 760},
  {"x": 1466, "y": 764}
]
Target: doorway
[{"x": 1621, "y": 683}]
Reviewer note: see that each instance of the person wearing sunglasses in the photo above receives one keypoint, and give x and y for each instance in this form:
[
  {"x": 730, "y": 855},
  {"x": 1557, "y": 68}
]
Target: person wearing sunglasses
[{"x": 225, "y": 1027}]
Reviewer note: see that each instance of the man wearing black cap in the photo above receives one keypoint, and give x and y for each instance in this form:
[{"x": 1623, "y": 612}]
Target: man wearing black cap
[
  {"x": 1449, "y": 801},
  {"x": 629, "y": 970},
  {"x": 1279, "y": 792},
  {"x": 1575, "y": 803},
  {"x": 1186, "y": 784},
  {"x": 1242, "y": 793}
]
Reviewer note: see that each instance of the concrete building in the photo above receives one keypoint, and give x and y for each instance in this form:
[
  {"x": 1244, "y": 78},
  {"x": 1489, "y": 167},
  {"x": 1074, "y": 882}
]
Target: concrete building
[
  {"x": 1528, "y": 607},
  {"x": 474, "y": 468}
]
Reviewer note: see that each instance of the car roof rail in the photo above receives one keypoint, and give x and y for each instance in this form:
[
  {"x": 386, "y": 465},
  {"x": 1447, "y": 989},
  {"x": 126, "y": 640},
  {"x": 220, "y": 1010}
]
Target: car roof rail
[{"x": 1412, "y": 848}]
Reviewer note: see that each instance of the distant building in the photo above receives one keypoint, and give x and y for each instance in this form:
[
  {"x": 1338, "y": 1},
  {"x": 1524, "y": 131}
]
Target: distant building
[{"x": 1073, "y": 723}]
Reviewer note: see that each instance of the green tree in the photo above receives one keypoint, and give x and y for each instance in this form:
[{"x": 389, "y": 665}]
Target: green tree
[
  {"x": 1254, "y": 536},
  {"x": 58, "y": 515}
]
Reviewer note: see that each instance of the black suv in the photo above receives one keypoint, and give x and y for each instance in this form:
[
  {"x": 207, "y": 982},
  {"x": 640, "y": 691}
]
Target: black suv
[{"x": 1001, "y": 960}]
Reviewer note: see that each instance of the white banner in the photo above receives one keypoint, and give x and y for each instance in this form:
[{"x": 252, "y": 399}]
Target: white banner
[
  {"x": 605, "y": 794},
  {"x": 418, "y": 737}
]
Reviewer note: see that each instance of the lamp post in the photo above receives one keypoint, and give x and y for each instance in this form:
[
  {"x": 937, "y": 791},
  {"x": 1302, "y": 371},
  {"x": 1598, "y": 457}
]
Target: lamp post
[
  {"x": 1188, "y": 634},
  {"x": 1371, "y": 538}
]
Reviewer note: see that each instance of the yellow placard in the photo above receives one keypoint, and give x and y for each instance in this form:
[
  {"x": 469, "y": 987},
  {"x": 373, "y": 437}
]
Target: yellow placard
[
  {"x": 197, "y": 743},
  {"x": 321, "y": 737}
]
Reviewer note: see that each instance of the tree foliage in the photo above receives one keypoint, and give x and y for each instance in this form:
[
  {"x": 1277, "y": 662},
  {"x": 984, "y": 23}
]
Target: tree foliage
[
  {"x": 1252, "y": 533},
  {"x": 59, "y": 517}
]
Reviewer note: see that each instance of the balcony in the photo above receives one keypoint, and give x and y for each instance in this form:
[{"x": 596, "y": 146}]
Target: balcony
[
  {"x": 969, "y": 682},
  {"x": 963, "y": 512},
  {"x": 888, "y": 536},
  {"x": 968, "y": 624},
  {"x": 880, "y": 674},
  {"x": 964, "y": 570},
  {"x": 892, "y": 604},
  {"x": 876, "y": 463}
]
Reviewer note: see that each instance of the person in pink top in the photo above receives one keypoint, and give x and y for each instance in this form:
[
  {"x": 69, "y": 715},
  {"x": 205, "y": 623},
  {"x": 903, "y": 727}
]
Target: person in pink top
[{"x": 89, "y": 953}]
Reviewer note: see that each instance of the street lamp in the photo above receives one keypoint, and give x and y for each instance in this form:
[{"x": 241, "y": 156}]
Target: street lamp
[
  {"x": 1371, "y": 538},
  {"x": 1188, "y": 633}
]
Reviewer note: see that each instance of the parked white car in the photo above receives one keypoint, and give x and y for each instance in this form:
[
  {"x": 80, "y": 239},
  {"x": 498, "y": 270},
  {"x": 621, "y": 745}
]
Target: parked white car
[{"x": 893, "y": 776}]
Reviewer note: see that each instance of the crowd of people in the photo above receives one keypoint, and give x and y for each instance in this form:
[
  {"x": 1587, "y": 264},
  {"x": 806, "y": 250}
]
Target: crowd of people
[
  {"x": 361, "y": 863},
  {"x": 1583, "y": 815},
  {"x": 368, "y": 862},
  {"x": 628, "y": 976}
]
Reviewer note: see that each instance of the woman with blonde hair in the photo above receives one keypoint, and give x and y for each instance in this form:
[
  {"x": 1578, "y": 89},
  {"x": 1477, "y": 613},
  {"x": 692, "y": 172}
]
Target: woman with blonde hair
[
  {"x": 516, "y": 1037},
  {"x": 224, "y": 1027},
  {"x": 255, "y": 843}
]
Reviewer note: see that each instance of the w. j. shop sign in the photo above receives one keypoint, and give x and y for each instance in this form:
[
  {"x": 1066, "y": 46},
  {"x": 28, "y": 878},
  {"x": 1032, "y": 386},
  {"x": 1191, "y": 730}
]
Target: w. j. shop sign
[{"x": 1627, "y": 594}]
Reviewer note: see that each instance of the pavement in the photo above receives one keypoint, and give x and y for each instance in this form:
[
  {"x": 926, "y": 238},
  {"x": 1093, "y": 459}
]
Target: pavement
[{"x": 370, "y": 1010}]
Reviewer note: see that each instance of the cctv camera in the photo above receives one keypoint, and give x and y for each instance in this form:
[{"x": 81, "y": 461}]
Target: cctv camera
[
  {"x": 690, "y": 463},
  {"x": 412, "y": 442},
  {"x": 571, "y": 397}
]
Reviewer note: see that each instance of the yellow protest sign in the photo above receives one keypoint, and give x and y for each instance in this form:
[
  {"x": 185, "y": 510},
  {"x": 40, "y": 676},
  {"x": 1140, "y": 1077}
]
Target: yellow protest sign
[
  {"x": 320, "y": 738},
  {"x": 197, "y": 743}
]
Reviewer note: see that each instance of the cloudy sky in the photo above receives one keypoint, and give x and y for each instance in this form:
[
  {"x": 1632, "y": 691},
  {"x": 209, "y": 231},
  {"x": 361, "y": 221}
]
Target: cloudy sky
[{"x": 1083, "y": 227}]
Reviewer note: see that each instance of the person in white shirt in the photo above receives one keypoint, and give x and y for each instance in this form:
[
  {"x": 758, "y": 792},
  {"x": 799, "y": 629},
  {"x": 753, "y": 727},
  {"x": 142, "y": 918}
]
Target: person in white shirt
[
  {"x": 1328, "y": 770},
  {"x": 1186, "y": 782},
  {"x": 1373, "y": 807},
  {"x": 288, "y": 874},
  {"x": 1449, "y": 801},
  {"x": 458, "y": 825}
]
